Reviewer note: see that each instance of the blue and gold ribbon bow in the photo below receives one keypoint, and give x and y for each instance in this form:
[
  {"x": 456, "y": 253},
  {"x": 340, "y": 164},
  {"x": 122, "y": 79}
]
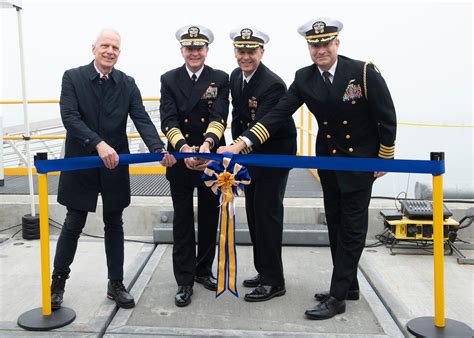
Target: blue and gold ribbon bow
[{"x": 226, "y": 179}]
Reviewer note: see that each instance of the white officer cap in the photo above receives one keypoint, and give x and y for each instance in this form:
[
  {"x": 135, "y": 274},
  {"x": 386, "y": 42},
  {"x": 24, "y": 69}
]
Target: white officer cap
[
  {"x": 320, "y": 30},
  {"x": 194, "y": 35},
  {"x": 248, "y": 38}
]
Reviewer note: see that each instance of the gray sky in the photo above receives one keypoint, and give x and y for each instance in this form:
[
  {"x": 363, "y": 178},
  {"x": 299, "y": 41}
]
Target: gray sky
[{"x": 422, "y": 48}]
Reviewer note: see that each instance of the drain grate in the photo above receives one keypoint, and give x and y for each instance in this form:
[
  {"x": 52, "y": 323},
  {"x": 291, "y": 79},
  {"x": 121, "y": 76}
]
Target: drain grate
[{"x": 149, "y": 185}]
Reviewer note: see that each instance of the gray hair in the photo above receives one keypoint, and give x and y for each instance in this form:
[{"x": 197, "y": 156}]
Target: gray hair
[{"x": 107, "y": 30}]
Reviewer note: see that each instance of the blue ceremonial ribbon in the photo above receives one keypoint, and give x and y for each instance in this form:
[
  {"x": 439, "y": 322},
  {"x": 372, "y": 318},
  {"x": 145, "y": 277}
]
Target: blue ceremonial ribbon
[
  {"x": 228, "y": 163},
  {"x": 226, "y": 179},
  {"x": 260, "y": 160}
]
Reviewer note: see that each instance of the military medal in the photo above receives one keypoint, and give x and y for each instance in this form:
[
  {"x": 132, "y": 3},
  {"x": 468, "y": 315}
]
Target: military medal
[
  {"x": 353, "y": 92},
  {"x": 211, "y": 92}
]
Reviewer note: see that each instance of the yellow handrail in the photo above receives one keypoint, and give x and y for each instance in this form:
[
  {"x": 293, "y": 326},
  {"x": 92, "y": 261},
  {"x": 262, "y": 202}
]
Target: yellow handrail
[
  {"x": 133, "y": 170},
  {"x": 57, "y": 101},
  {"x": 56, "y": 137},
  {"x": 414, "y": 124}
]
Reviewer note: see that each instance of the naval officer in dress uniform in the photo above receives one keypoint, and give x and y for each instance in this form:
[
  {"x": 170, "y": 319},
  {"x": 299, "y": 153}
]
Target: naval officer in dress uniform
[
  {"x": 194, "y": 108},
  {"x": 356, "y": 118},
  {"x": 255, "y": 89}
]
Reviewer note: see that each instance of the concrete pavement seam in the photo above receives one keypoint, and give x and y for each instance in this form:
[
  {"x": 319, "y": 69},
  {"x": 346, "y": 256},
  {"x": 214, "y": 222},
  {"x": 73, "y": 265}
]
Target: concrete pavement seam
[{"x": 122, "y": 316}]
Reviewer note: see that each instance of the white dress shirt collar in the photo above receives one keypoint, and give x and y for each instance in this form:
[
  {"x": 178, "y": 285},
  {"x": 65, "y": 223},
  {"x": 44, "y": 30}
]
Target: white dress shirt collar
[
  {"x": 100, "y": 73},
  {"x": 331, "y": 71},
  {"x": 198, "y": 73},
  {"x": 247, "y": 78}
]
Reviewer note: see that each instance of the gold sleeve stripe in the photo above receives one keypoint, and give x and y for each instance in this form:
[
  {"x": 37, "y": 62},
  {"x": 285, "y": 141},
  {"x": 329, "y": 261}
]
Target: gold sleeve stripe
[
  {"x": 217, "y": 125},
  {"x": 261, "y": 132},
  {"x": 174, "y": 136},
  {"x": 172, "y": 132},
  {"x": 258, "y": 134},
  {"x": 386, "y": 148},
  {"x": 385, "y": 156},
  {"x": 385, "y": 153},
  {"x": 237, "y": 140},
  {"x": 263, "y": 129},
  {"x": 247, "y": 150},
  {"x": 216, "y": 128},
  {"x": 215, "y": 132}
]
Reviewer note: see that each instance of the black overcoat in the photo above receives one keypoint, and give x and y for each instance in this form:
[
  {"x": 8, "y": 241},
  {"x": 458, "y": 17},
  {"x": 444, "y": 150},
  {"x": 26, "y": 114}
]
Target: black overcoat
[{"x": 94, "y": 110}]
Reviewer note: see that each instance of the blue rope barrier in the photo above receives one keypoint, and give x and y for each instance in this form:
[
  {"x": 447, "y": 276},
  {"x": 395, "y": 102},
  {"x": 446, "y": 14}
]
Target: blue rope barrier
[{"x": 259, "y": 160}]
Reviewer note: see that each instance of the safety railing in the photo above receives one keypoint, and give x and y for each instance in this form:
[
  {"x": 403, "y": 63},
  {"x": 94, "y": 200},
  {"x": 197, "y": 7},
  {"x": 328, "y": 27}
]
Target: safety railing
[
  {"x": 14, "y": 161},
  {"x": 306, "y": 136},
  {"x": 304, "y": 147}
]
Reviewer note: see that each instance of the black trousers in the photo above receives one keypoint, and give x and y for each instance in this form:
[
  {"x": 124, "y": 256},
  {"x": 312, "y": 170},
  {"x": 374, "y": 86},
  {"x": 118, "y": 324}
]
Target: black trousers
[
  {"x": 186, "y": 264},
  {"x": 264, "y": 207},
  {"x": 113, "y": 239},
  {"x": 347, "y": 219}
]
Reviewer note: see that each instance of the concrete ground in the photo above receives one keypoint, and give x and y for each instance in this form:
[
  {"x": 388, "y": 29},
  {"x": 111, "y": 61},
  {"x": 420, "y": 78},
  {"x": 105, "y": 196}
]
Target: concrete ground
[
  {"x": 395, "y": 288},
  {"x": 20, "y": 283}
]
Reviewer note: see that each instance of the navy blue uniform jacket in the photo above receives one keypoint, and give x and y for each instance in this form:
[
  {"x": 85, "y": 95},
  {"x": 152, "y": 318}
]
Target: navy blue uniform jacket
[{"x": 354, "y": 120}]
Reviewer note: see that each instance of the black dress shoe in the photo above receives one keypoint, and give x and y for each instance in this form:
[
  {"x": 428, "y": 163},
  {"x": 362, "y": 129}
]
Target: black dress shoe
[
  {"x": 58, "y": 284},
  {"x": 183, "y": 295},
  {"x": 264, "y": 292},
  {"x": 351, "y": 295},
  {"x": 327, "y": 309},
  {"x": 117, "y": 292},
  {"x": 252, "y": 282},
  {"x": 209, "y": 282}
]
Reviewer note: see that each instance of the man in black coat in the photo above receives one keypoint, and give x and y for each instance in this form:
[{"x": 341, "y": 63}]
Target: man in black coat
[
  {"x": 356, "y": 118},
  {"x": 255, "y": 89},
  {"x": 193, "y": 110},
  {"x": 96, "y": 100}
]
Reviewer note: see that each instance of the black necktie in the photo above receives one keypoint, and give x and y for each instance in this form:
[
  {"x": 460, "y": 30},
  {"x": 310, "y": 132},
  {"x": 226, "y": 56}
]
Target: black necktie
[
  {"x": 245, "y": 84},
  {"x": 327, "y": 81},
  {"x": 194, "y": 78},
  {"x": 103, "y": 79}
]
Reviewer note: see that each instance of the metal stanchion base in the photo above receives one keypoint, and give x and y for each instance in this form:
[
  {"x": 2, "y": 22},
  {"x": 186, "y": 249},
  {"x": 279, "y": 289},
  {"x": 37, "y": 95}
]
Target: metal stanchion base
[
  {"x": 34, "y": 320},
  {"x": 424, "y": 327}
]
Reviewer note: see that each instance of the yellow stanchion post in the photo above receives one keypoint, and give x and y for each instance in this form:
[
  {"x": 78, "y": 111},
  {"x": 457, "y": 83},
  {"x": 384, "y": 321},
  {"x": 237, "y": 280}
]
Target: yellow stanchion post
[
  {"x": 301, "y": 129},
  {"x": 438, "y": 250},
  {"x": 44, "y": 242},
  {"x": 310, "y": 129},
  {"x": 43, "y": 319},
  {"x": 438, "y": 326}
]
